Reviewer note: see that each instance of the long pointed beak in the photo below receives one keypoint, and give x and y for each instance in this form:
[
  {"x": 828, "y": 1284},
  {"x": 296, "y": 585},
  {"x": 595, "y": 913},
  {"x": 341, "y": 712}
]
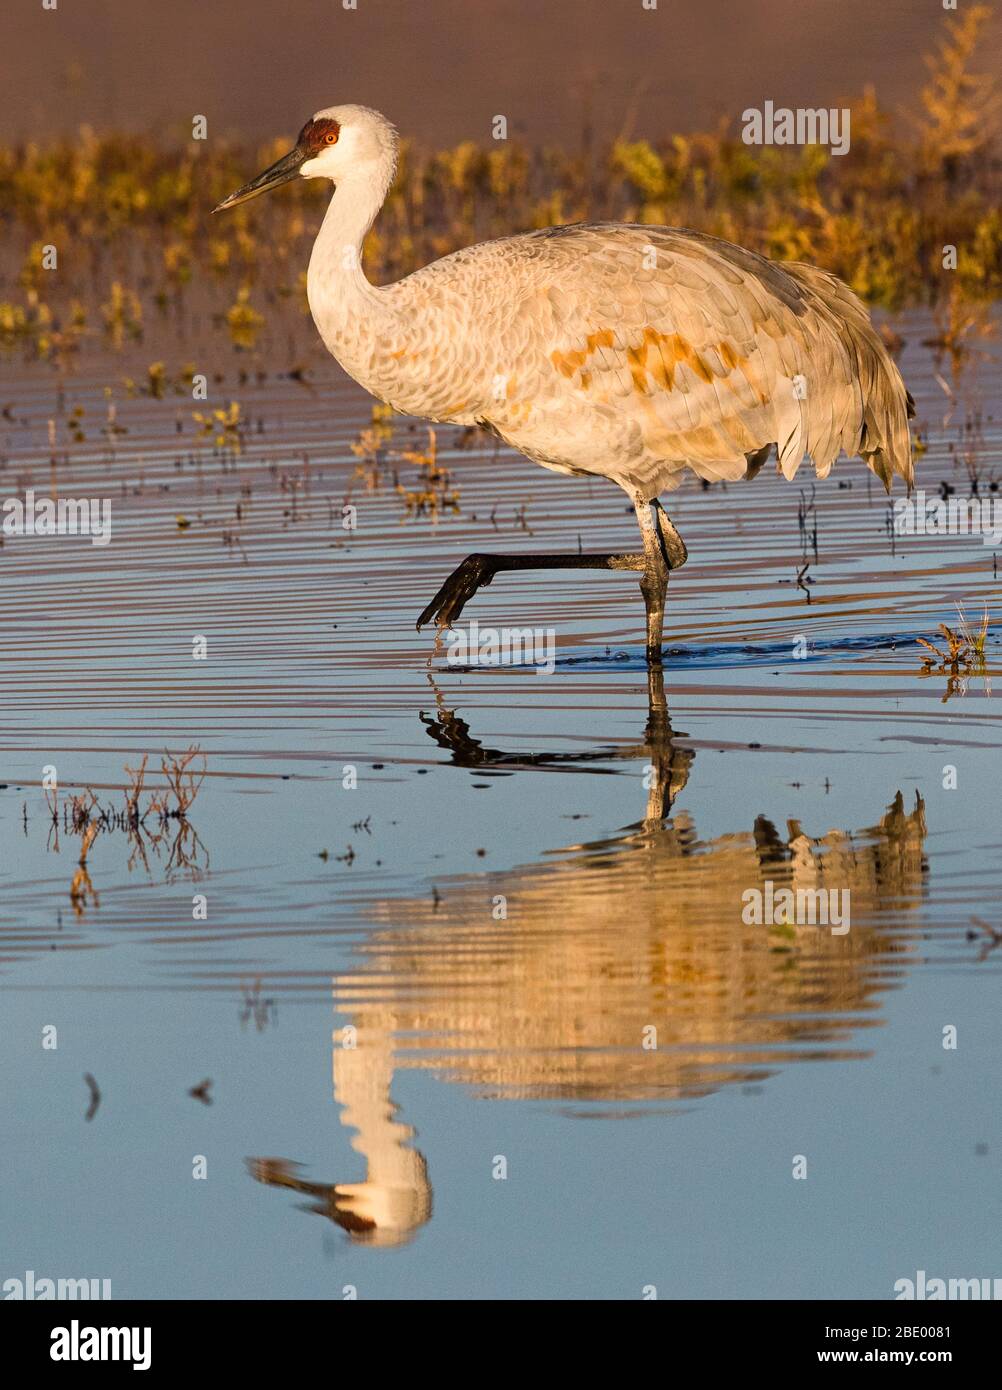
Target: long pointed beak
[{"x": 281, "y": 171}]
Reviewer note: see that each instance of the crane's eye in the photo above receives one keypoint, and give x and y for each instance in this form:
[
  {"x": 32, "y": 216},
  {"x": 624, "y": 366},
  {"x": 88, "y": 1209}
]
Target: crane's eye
[{"x": 329, "y": 138}]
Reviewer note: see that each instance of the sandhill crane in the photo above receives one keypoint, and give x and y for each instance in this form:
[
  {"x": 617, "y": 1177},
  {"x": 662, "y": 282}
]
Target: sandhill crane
[{"x": 599, "y": 349}]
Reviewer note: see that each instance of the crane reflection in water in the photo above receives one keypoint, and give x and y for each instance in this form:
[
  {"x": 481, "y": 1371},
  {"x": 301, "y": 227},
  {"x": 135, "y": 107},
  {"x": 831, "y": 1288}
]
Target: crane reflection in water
[{"x": 620, "y": 972}]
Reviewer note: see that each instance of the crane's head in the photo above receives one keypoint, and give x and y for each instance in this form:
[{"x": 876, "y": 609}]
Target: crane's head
[{"x": 335, "y": 143}]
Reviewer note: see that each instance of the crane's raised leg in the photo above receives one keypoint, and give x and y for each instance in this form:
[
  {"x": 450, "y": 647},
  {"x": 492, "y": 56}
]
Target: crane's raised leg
[{"x": 664, "y": 551}]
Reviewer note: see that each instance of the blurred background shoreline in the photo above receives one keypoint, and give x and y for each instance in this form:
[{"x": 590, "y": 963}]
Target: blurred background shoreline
[{"x": 563, "y": 71}]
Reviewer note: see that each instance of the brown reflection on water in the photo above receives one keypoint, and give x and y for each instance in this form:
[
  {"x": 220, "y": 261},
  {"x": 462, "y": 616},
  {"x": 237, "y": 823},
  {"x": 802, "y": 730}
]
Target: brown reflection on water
[{"x": 545, "y": 982}]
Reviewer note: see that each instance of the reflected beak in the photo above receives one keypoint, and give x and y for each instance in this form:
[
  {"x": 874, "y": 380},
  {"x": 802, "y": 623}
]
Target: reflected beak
[{"x": 282, "y": 171}]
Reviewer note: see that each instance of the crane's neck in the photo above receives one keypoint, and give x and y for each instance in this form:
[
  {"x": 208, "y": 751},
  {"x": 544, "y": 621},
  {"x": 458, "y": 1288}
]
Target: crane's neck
[{"x": 352, "y": 315}]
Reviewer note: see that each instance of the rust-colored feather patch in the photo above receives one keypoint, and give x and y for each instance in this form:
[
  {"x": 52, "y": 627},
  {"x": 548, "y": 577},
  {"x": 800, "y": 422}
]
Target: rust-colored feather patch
[
  {"x": 567, "y": 363},
  {"x": 652, "y": 363}
]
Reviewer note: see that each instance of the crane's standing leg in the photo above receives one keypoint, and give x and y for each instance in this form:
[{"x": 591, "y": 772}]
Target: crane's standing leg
[{"x": 664, "y": 551}]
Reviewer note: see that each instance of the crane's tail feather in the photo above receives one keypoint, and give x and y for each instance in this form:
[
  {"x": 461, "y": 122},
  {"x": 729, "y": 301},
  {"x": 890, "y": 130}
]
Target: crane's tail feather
[{"x": 881, "y": 437}]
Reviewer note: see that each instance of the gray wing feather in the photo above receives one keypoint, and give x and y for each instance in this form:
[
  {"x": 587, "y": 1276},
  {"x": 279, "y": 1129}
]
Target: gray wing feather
[{"x": 717, "y": 353}]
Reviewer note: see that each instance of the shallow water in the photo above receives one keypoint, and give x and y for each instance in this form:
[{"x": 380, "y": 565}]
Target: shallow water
[{"x": 399, "y": 989}]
